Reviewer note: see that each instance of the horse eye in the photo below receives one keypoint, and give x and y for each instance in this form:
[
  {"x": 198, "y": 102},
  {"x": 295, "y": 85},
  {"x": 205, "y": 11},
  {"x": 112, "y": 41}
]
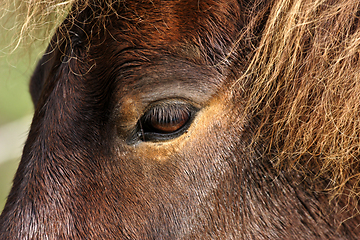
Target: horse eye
[{"x": 165, "y": 121}]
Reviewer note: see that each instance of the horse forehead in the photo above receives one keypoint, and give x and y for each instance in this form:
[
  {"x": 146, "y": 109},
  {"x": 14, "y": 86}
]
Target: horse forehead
[
  {"x": 143, "y": 33},
  {"x": 176, "y": 24}
]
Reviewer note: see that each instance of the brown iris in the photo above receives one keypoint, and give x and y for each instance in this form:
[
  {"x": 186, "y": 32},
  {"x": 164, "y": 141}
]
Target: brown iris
[{"x": 166, "y": 118}]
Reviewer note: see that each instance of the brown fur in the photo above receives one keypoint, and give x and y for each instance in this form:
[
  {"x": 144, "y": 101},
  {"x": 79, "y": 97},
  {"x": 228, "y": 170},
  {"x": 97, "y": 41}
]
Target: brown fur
[{"x": 271, "y": 154}]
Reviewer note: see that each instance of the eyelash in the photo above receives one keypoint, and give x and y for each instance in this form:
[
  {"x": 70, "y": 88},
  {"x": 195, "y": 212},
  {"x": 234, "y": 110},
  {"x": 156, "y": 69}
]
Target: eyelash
[
  {"x": 164, "y": 121},
  {"x": 165, "y": 118}
]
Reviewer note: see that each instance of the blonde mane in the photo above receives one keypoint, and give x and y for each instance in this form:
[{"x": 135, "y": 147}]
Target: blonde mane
[{"x": 303, "y": 83}]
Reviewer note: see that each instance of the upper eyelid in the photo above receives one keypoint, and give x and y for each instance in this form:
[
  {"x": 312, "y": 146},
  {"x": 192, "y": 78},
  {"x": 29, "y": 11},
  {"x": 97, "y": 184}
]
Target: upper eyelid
[
  {"x": 163, "y": 108},
  {"x": 172, "y": 102}
]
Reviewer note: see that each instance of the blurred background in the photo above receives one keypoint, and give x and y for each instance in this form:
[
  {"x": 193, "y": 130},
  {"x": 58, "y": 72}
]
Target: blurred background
[
  {"x": 25, "y": 30},
  {"x": 16, "y": 108}
]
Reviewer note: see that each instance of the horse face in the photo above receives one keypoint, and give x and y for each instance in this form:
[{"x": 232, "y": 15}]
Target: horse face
[{"x": 141, "y": 132}]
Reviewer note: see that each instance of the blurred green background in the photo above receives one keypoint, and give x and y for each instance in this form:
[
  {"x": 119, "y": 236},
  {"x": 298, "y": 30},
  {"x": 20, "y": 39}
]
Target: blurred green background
[
  {"x": 16, "y": 109},
  {"x": 24, "y": 35}
]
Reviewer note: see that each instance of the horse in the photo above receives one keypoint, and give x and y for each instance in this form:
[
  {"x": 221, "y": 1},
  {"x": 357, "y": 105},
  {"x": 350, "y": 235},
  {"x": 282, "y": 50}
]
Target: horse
[{"x": 226, "y": 119}]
